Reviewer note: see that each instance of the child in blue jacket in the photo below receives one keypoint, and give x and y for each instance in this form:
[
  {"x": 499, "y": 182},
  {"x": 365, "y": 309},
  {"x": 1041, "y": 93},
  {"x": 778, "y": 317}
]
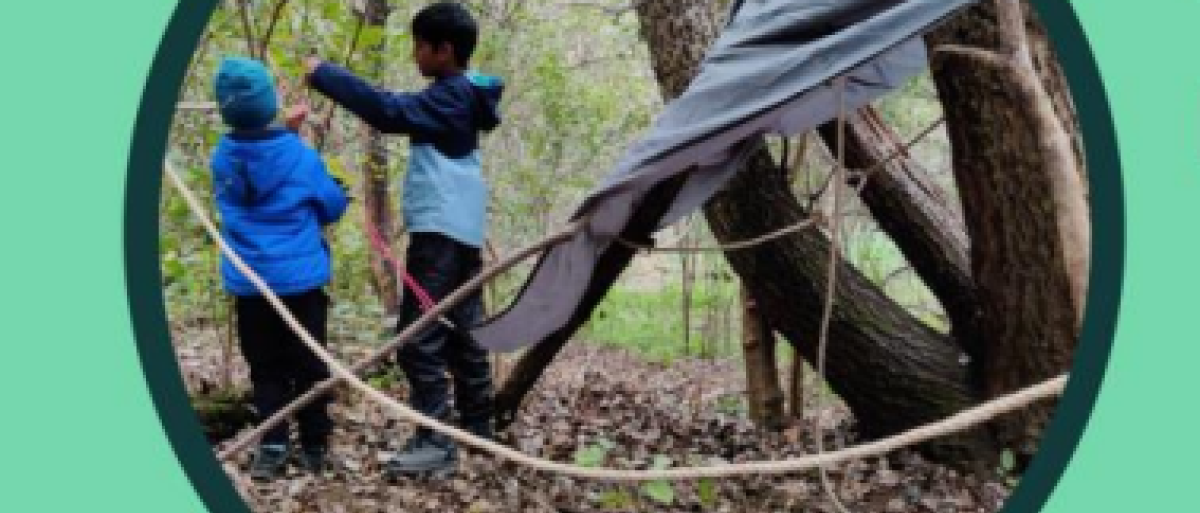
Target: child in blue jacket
[
  {"x": 444, "y": 208},
  {"x": 274, "y": 197}
]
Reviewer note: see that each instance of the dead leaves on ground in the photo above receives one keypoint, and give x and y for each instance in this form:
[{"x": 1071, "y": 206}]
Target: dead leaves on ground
[{"x": 602, "y": 406}]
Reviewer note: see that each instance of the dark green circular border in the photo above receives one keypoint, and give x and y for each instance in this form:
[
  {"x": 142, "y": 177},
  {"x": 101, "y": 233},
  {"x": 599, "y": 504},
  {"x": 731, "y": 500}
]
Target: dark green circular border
[
  {"x": 148, "y": 315},
  {"x": 143, "y": 278}
]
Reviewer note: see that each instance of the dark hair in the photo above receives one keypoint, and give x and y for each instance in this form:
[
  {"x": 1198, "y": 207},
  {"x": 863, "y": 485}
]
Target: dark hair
[{"x": 447, "y": 22}]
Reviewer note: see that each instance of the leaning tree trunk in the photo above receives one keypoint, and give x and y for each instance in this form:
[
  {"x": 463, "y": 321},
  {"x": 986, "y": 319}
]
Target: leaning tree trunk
[
  {"x": 914, "y": 214},
  {"x": 893, "y": 371},
  {"x": 1014, "y": 199}
]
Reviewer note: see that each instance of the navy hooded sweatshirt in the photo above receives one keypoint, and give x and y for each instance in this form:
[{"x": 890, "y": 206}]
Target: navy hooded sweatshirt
[
  {"x": 274, "y": 196},
  {"x": 444, "y": 190}
]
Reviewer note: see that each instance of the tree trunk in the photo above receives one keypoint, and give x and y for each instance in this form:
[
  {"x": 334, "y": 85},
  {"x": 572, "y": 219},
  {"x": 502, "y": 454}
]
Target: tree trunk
[
  {"x": 1029, "y": 315},
  {"x": 686, "y": 279},
  {"x": 915, "y": 216},
  {"x": 795, "y": 394},
  {"x": 377, "y": 206},
  {"x": 763, "y": 393},
  {"x": 891, "y": 370}
]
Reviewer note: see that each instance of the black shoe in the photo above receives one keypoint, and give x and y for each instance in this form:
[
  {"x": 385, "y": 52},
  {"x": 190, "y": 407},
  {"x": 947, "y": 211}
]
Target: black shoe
[
  {"x": 313, "y": 460},
  {"x": 269, "y": 461},
  {"x": 482, "y": 430},
  {"x": 423, "y": 455}
]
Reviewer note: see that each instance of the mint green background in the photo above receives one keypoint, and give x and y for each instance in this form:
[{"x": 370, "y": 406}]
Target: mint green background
[
  {"x": 1141, "y": 447},
  {"x": 78, "y": 431}
]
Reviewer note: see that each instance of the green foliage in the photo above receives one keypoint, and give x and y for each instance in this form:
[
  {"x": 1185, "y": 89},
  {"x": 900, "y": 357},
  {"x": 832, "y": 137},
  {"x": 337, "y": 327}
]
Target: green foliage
[
  {"x": 650, "y": 320},
  {"x": 707, "y": 490},
  {"x": 617, "y": 499},
  {"x": 662, "y": 492},
  {"x": 593, "y": 455}
]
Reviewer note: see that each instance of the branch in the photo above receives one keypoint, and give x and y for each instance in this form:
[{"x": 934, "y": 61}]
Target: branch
[
  {"x": 247, "y": 27},
  {"x": 989, "y": 57},
  {"x": 265, "y": 43},
  {"x": 324, "y": 133},
  {"x": 196, "y": 106},
  {"x": 1011, "y": 23}
]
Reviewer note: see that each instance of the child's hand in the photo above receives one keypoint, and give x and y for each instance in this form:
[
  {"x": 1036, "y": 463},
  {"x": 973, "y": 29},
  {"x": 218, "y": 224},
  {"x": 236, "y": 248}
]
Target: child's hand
[{"x": 295, "y": 115}]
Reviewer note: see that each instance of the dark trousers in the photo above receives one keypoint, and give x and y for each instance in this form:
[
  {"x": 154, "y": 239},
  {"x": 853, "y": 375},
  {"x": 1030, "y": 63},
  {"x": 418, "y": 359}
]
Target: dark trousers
[
  {"x": 281, "y": 366},
  {"x": 440, "y": 264}
]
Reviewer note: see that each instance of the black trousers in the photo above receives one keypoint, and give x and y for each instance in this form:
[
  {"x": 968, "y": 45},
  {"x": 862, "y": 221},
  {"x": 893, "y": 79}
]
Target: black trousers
[
  {"x": 440, "y": 264},
  {"x": 281, "y": 366}
]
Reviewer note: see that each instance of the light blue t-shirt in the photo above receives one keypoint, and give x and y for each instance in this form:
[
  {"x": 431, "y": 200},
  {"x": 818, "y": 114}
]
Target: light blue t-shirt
[{"x": 445, "y": 195}]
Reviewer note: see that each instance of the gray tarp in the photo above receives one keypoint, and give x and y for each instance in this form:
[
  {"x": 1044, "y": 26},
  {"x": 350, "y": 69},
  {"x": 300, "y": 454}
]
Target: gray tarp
[{"x": 776, "y": 68}]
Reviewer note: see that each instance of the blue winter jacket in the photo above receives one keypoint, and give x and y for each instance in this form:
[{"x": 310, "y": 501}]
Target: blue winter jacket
[
  {"x": 444, "y": 190},
  {"x": 274, "y": 196}
]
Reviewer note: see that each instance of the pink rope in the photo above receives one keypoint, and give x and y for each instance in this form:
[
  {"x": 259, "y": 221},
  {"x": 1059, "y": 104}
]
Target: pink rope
[{"x": 425, "y": 301}]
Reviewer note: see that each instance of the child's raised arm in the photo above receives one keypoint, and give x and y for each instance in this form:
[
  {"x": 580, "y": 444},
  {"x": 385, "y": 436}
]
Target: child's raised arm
[{"x": 385, "y": 111}]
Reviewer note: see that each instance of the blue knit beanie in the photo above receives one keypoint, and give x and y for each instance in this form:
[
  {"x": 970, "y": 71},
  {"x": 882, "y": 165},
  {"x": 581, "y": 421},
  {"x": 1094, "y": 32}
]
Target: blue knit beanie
[{"x": 246, "y": 93}]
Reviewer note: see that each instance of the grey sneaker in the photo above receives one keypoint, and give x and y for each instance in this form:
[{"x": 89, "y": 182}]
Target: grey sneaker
[
  {"x": 423, "y": 455},
  {"x": 269, "y": 461}
]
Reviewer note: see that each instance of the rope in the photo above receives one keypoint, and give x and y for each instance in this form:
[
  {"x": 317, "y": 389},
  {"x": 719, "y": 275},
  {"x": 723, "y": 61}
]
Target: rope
[
  {"x": 732, "y": 246},
  {"x": 905, "y": 149},
  {"x": 954, "y": 423},
  {"x": 831, "y": 280},
  {"x": 423, "y": 299}
]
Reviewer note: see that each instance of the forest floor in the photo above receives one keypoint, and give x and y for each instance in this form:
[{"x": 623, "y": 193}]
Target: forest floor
[{"x": 643, "y": 414}]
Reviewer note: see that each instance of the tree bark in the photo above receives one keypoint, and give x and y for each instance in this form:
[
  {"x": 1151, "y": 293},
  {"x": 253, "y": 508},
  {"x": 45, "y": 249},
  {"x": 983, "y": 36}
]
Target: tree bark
[
  {"x": 914, "y": 215},
  {"x": 795, "y": 394},
  {"x": 377, "y": 206},
  {"x": 763, "y": 393},
  {"x": 1011, "y": 203},
  {"x": 891, "y": 370}
]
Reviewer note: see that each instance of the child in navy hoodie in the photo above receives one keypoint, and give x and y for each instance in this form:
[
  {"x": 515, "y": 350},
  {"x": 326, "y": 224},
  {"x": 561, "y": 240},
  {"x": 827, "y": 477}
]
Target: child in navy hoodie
[
  {"x": 444, "y": 207},
  {"x": 274, "y": 197}
]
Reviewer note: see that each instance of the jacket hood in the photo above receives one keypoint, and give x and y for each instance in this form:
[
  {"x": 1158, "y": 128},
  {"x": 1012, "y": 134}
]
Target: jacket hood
[
  {"x": 251, "y": 166},
  {"x": 488, "y": 89}
]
